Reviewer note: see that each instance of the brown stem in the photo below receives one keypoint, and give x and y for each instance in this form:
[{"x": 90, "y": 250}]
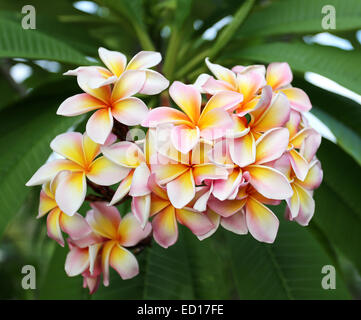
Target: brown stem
[
  {"x": 93, "y": 198},
  {"x": 120, "y": 130},
  {"x": 164, "y": 99},
  {"x": 106, "y": 192}
]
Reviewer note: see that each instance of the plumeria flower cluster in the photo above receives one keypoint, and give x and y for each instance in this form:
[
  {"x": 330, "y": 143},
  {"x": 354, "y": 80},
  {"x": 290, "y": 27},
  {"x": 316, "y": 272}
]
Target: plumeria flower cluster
[{"x": 222, "y": 151}]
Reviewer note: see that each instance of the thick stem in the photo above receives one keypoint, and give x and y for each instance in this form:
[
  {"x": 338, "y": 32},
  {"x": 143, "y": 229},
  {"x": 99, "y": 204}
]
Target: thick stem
[
  {"x": 120, "y": 130},
  {"x": 106, "y": 192},
  {"x": 93, "y": 198}
]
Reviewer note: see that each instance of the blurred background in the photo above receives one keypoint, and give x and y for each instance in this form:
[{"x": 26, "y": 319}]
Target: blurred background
[{"x": 326, "y": 64}]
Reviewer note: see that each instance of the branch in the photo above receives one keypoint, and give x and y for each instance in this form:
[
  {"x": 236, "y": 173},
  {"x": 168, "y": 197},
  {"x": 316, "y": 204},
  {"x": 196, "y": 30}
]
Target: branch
[
  {"x": 120, "y": 130},
  {"x": 106, "y": 192},
  {"x": 93, "y": 198}
]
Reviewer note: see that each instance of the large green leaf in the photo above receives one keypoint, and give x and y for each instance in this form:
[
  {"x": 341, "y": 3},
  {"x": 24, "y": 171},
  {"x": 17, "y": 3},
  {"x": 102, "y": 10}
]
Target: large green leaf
[
  {"x": 26, "y": 129},
  {"x": 338, "y": 202},
  {"x": 346, "y": 138},
  {"x": 16, "y": 42},
  {"x": 336, "y": 64},
  {"x": 340, "y": 114},
  {"x": 181, "y": 13},
  {"x": 55, "y": 284},
  {"x": 229, "y": 31},
  {"x": 5, "y": 86},
  {"x": 133, "y": 11},
  {"x": 288, "y": 269},
  {"x": 299, "y": 16},
  {"x": 75, "y": 34}
]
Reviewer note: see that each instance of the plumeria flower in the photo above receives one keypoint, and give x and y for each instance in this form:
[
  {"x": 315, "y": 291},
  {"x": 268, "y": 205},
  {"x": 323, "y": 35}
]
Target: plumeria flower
[
  {"x": 235, "y": 223},
  {"x": 252, "y": 215},
  {"x": 193, "y": 124},
  {"x": 117, "y": 102},
  {"x": 57, "y": 220},
  {"x": 81, "y": 162},
  {"x": 244, "y": 212},
  {"x": 229, "y": 220},
  {"x": 118, "y": 233},
  {"x": 130, "y": 157},
  {"x": 85, "y": 261},
  {"x": 92, "y": 281},
  {"x": 166, "y": 216},
  {"x": 246, "y": 132},
  {"x": 298, "y": 134},
  {"x": 261, "y": 69},
  {"x": 248, "y": 82},
  {"x": 268, "y": 181},
  {"x": 279, "y": 77},
  {"x": 301, "y": 206},
  {"x": 116, "y": 63},
  {"x": 182, "y": 174}
]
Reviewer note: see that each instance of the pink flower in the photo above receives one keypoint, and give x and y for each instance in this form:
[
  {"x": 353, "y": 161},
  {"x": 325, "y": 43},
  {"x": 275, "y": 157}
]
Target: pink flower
[
  {"x": 268, "y": 181},
  {"x": 130, "y": 157},
  {"x": 247, "y": 81},
  {"x": 301, "y": 206},
  {"x": 116, "y": 63},
  {"x": 117, "y": 234},
  {"x": 279, "y": 77},
  {"x": 242, "y": 140},
  {"x": 166, "y": 216},
  {"x": 85, "y": 261},
  {"x": 193, "y": 124},
  {"x": 57, "y": 220},
  {"x": 108, "y": 102},
  {"x": 80, "y": 162},
  {"x": 246, "y": 212}
]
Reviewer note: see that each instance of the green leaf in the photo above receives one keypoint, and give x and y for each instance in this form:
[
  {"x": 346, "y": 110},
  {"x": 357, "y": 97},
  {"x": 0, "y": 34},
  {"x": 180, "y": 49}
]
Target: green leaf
[
  {"x": 333, "y": 63},
  {"x": 288, "y": 269},
  {"x": 6, "y": 86},
  {"x": 16, "y": 42},
  {"x": 133, "y": 11},
  {"x": 222, "y": 40},
  {"x": 299, "y": 16},
  {"x": 181, "y": 13},
  {"x": 56, "y": 284},
  {"x": 230, "y": 29},
  {"x": 338, "y": 202},
  {"x": 26, "y": 130},
  {"x": 76, "y": 34},
  {"x": 340, "y": 114}
]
